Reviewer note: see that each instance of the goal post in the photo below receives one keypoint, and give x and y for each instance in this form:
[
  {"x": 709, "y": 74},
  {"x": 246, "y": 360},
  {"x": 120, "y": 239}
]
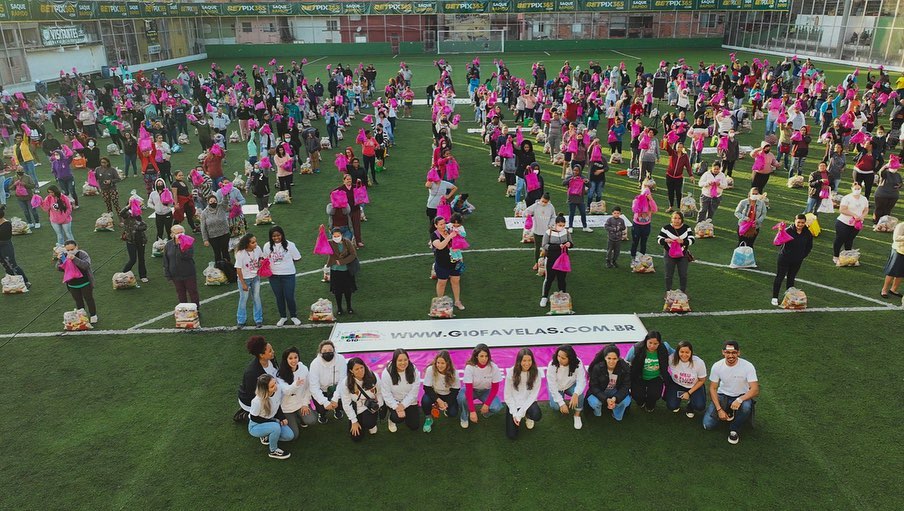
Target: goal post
[{"x": 489, "y": 40}]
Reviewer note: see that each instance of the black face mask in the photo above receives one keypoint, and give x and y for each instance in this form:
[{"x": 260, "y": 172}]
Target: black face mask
[
  {"x": 212, "y": 204},
  {"x": 328, "y": 355}
]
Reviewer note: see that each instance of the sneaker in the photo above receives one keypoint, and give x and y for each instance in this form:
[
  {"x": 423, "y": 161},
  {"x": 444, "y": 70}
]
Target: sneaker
[
  {"x": 733, "y": 437},
  {"x": 464, "y": 424},
  {"x": 31, "y": 226},
  {"x": 650, "y": 409},
  {"x": 281, "y": 322},
  {"x": 93, "y": 319},
  {"x": 373, "y": 430},
  {"x": 834, "y": 259},
  {"x": 392, "y": 426},
  {"x": 37, "y": 225},
  {"x": 529, "y": 423},
  {"x": 669, "y": 210},
  {"x": 296, "y": 321},
  {"x": 428, "y": 425},
  {"x": 578, "y": 424},
  {"x": 350, "y": 311},
  {"x": 775, "y": 302},
  {"x": 145, "y": 280},
  {"x": 689, "y": 414},
  {"x": 676, "y": 410},
  {"x": 338, "y": 413},
  {"x": 258, "y": 325},
  {"x": 321, "y": 418},
  {"x": 608, "y": 265},
  {"x": 587, "y": 229},
  {"x": 544, "y": 301},
  {"x": 615, "y": 264},
  {"x": 460, "y": 306},
  {"x": 279, "y": 454},
  {"x": 265, "y": 440}
]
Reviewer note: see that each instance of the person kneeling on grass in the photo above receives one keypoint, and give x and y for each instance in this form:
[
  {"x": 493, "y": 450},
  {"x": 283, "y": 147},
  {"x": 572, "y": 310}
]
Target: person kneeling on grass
[
  {"x": 649, "y": 361},
  {"x": 610, "y": 380},
  {"x": 399, "y": 384},
  {"x": 267, "y": 420},
  {"x": 295, "y": 386},
  {"x": 566, "y": 375},
  {"x": 688, "y": 375},
  {"x": 732, "y": 388},
  {"x": 262, "y": 363},
  {"x": 522, "y": 386},
  {"x": 361, "y": 399},
  {"x": 327, "y": 370},
  {"x": 441, "y": 389},
  {"x": 481, "y": 380}
]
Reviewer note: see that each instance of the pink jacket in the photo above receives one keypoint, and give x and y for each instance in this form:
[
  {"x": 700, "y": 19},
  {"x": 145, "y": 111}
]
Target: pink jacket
[{"x": 57, "y": 216}]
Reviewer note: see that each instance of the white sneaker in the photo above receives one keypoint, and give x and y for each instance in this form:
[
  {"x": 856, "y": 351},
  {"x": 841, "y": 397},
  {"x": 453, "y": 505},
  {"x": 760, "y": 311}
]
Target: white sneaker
[
  {"x": 733, "y": 438},
  {"x": 690, "y": 415},
  {"x": 281, "y": 322},
  {"x": 834, "y": 259},
  {"x": 145, "y": 280},
  {"x": 31, "y": 226},
  {"x": 37, "y": 225},
  {"x": 373, "y": 430},
  {"x": 529, "y": 423},
  {"x": 392, "y": 426},
  {"x": 578, "y": 424},
  {"x": 93, "y": 319},
  {"x": 587, "y": 229},
  {"x": 464, "y": 424},
  {"x": 296, "y": 321},
  {"x": 544, "y": 301},
  {"x": 775, "y": 302}
]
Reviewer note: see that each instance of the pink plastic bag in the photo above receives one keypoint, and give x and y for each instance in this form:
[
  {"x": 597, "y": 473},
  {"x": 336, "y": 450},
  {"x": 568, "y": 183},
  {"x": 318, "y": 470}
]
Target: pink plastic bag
[
  {"x": 894, "y": 162},
  {"x": 459, "y": 243},
  {"x": 644, "y": 143},
  {"x": 759, "y": 163},
  {"x": 723, "y": 144},
  {"x": 322, "y": 245},
  {"x": 507, "y": 151},
  {"x": 361, "y": 194},
  {"x": 519, "y": 138},
  {"x": 531, "y": 181},
  {"x": 367, "y": 119},
  {"x": 576, "y": 186},
  {"x": 166, "y": 197},
  {"x": 339, "y": 199},
  {"x": 572, "y": 145},
  {"x": 135, "y": 207},
  {"x": 362, "y": 136},
  {"x": 782, "y": 236},
  {"x": 225, "y": 189},
  {"x": 265, "y": 270},
  {"x": 529, "y": 222},
  {"x": 70, "y": 270},
  {"x": 444, "y": 210},
  {"x": 451, "y": 170},
  {"x": 596, "y": 155},
  {"x": 92, "y": 179},
  {"x": 76, "y": 145},
  {"x": 824, "y": 192},
  {"x": 185, "y": 242},
  {"x": 433, "y": 175},
  {"x": 746, "y": 226},
  {"x": 714, "y": 189},
  {"x": 36, "y": 201},
  {"x": 235, "y": 211},
  {"x": 342, "y": 163},
  {"x": 676, "y": 250},
  {"x": 563, "y": 263},
  {"x": 858, "y": 224}
]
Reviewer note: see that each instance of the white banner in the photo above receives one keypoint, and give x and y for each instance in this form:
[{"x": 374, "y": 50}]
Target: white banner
[
  {"x": 494, "y": 332},
  {"x": 598, "y": 221},
  {"x": 63, "y": 36},
  {"x": 744, "y": 149},
  {"x": 247, "y": 209}
]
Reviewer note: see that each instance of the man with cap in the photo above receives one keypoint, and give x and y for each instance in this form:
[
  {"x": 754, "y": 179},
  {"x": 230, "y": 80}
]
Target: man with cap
[{"x": 732, "y": 389}]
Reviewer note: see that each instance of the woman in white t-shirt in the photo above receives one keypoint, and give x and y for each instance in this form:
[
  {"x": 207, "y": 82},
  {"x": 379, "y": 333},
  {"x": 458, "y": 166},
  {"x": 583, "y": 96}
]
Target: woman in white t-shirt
[
  {"x": 481, "y": 381},
  {"x": 522, "y": 386},
  {"x": 295, "y": 385},
  {"x": 283, "y": 254},
  {"x": 566, "y": 377},
  {"x": 441, "y": 389},
  {"x": 688, "y": 375},
  {"x": 853, "y": 209},
  {"x": 399, "y": 384},
  {"x": 247, "y": 262},
  {"x": 266, "y": 419}
]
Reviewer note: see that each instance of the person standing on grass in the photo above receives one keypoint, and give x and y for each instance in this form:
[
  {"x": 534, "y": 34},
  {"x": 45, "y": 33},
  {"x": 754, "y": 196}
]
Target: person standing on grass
[
  {"x": 294, "y": 383},
  {"x": 481, "y": 381},
  {"x": 185, "y": 206},
  {"x": 732, "y": 389},
  {"x": 764, "y": 168},
  {"x": 576, "y": 185},
  {"x": 81, "y": 288},
  {"x": 676, "y": 233},
  {"x": 179, "y": 267},
  {"x": 262, "y": 363},
  {"x": 610, "y": 381},
  {"x": 344, "y": 265},
  {"x": 327, "y": 370},
  {"x": 446, "y": 270},
  {"x": 643, "y": 208},
  {"x": 555, "y": 240},
  {"x": 23, "y": 187},
  {"x": 679, "y": 163},
  {"x": 687, "y": 379},
  {"x": 399, "y": 385},
  {"x": 522, "y": 387},
  {"x": 361, "y": 399},
  {"x": 441, "y": 389},
  {"x": 894, "y": 268},
  {"x": 852, "y": 211},
  {"x": 7, "y": 252},
  {"x": 712, "y": 184},
  {"x": 566, "y": 377},
  {"x": 617, "y": 231},
  {"x": 791, "y": 255},
  {"x": 62, "y": 171},
  {"x": 163, "y": 212},
  {"x": 283, "y": 254},
  {"x": 544, "y": 216},
  {"x": 887, "y": 191},
  {"x": 215, "y": 229},
  {"x": 59, "y": 209},
  {"x": 649, "y": 156},
  {"x": 247, "y": 263},
  {"x": 751, "y": 209},
  {"x": 649, "y": 361},
  {"x": 134, "y": 233},
  {"x": 818, "y": 182},
  {"x": 266, "y": 418}
]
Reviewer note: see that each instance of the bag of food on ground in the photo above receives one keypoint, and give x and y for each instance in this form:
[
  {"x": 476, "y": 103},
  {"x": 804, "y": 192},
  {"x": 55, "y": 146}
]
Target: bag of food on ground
[
  {"x": 104, "y": 223},
  {"x": 598, "y": 207},
  {"x": 157, "y": 248},
  {"x": 836, "y": 199},
  {"x": 234, "y": 137},
  {"x": 186, "y": 316},
  {"x": 76, "y": 320},
  {"x": 263, "y": 217},
  {"x": 520, "y": 206},
  {"x": 676, "y": 301},
  {"x": 704, "y": 229},
  {"x": 560, "y": 303},
  {"x": 124, "y": 280},
  {"x": 441, "y": 308},
  {"x": 794, "y": 299},
  {"x": 849, "y": 257},
  {"x": 886, "y": 223},
  {"x": 541, "y": 139},
  {"x": 510, "y": 191},
  {"x": 183, "y": 139},
  {"x": 541, "y": 266},
  {"x": 18, "y": 226},
  {"x": 322, "y": 311},
  {"x": 527, "y": 236},
  {"x": 558, "y": 159},
  {"x": 743, "y": 258},
  {"x": 615, "y": 159},
  {"x": 282, "y": 197},
  {"x": 729, "y": 183},
  {"x": 213, "y": 276},
  {"x": 113, "y": 150},
  {"x": 643, "y": 264},
  {"x": 796, "y": 182},
  {"x": 122, "y": 174},
  {"x": 88, "y": 190},
  {"x": 688, "y": 204},
  {"x": 326, "y": 274},
  {"x": 13, "y": 284},
  {"x": 501, "y": 177},
  {"x": 325, "y": 143}
]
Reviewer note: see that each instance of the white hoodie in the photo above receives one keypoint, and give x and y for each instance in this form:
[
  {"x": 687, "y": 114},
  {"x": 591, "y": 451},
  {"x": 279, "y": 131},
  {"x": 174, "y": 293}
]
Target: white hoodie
[
  {"x": 520, "y": 398},
  {"x": 558, "y": 380},
  {"x": 402, "y": 392},
  {"x": 324, "y": 374}
]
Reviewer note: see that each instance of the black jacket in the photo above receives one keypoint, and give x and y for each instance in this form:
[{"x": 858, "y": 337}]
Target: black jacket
[
  {"x": 249, "y": 380},
  {"x": 798, "y": 248},
  {"x": 640, "y": 353},
  {"x": 178, "y": 265},
  {"x": 599, "y": 380}
]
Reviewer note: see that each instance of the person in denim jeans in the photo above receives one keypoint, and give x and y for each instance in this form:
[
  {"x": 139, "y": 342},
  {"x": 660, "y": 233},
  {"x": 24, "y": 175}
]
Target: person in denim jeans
[
  {"x": 481, "y": 381},
  {"x": 282, "y": 255},
  {"x": 247, "y": 263},
  {"x": 566, "y": 376},
  {"x": 22, "y": 187},
  {"x": 597, "y": 182},
  {"x": 610, "y": 380},
  {"x": 732, "y": 389},
  {"x": 130, "y": 152},
  {"x": 576, "y": 200},
  {"x": 688, "y": 376},
  {"x": 266, "y": 419}
]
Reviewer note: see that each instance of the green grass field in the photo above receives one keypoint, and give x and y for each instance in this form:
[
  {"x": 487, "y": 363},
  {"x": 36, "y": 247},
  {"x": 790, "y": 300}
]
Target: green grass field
[{"x": 142, "y": 419}]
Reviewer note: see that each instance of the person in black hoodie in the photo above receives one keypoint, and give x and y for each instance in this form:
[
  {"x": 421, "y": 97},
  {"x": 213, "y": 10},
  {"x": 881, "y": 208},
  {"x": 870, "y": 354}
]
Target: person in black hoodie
[
  {"x": 791, "y": 255},
  {"x": 524, "y": 156},
  {"x": 263, "y": 362},
  {"x": 610, "y": 380},
  {"x": 533, "y": 196},
  {"x": 649, "y": 361}
]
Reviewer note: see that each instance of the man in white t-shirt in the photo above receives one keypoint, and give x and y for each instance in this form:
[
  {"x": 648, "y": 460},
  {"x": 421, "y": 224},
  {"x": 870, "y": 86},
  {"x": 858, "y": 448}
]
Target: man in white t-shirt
[{"x": 732, "y": 389}]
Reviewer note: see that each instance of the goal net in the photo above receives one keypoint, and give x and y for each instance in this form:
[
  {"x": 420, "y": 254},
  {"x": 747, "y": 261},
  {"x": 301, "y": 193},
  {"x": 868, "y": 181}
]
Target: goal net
[{"x": 470, "y": 41}]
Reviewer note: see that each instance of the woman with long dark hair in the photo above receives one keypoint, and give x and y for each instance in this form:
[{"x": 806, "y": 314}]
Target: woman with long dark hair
[
  {"x": 441, "y": 389},
  {"x": 566, "y": 377},
  {"x": 688, "y": 377},
  {"x": 295, "y": 385},
  {"x": 134, "y": 233},
  {"x": 262, "y": 363},
  {"x": 522, "y": 386},
  {"x": 59, "y": 209},
  {"x": 361, "y": 399},
  {"x": 282, "y": 254},
  {"x": 399, "y": 384},
  {"x": 481, "y": 381},
  {"x": 247, "y": 263},
  {"x": 81, "y": 288},
  {"x": 610, "y": 382},
  {"x": 649, "y": 361}
]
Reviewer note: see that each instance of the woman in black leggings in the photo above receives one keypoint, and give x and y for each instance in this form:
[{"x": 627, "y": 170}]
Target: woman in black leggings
[{"x": 81, "y": 287}]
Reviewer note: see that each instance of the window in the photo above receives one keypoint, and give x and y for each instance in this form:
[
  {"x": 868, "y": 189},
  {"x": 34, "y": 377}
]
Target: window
[
  {"x": 708, "y": 20},
  {"x": 269, "y": 27},
  {"x": 577, "y": 28},
  {"x": 332, "y": 25},
  {"x": 618, "y": 26},
  {"x": 246, "y": 27}
]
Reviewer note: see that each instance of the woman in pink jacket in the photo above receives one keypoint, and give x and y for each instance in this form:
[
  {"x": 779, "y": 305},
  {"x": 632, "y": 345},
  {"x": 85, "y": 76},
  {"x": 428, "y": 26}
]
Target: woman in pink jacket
[
  {"x": 764, "y": 163},
  {"x": 643, "y": 207},
  {"x": 59, "y": 208}
]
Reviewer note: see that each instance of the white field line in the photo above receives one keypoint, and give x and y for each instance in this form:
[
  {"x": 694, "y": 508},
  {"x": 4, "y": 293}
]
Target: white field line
[{"x": 625, "y": 54}]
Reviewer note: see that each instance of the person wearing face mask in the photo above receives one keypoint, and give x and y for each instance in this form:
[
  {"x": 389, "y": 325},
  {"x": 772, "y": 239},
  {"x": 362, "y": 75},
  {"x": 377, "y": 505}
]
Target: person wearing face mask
[
  {"x": 791, "y": 255},
  {"x": 81, "y": 288},
  {"x": 162, "y": 158},
  {"x": 819, "y": 184},
  {"x": 730, "y": 154},
  {"x": 134, "y": 233},
  {"x": 765, "y": 167},
  {"x": 344, "y": 265},
  {"x": 555, "y": 239},
  {"x": 91, "y": 153},
  {"x": 130, "y": 152},
  {"x": 712, "y": 184},
  {"x": 888, "y": 191},
  {"x": 853, "y": 210},
  {"x": 751, "y": 209},
  {"x": 247, "y": 263},
  {"x": 60, "y": 167},
  {"x": 544, "y": 215},
  {"x": 327, "y": 370},
  {"x": 643, "y": 207},
  {"x": 163, "y": 211},
  {"x": 59, "y": 209},
  {"x": 215, "y": 229}
]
